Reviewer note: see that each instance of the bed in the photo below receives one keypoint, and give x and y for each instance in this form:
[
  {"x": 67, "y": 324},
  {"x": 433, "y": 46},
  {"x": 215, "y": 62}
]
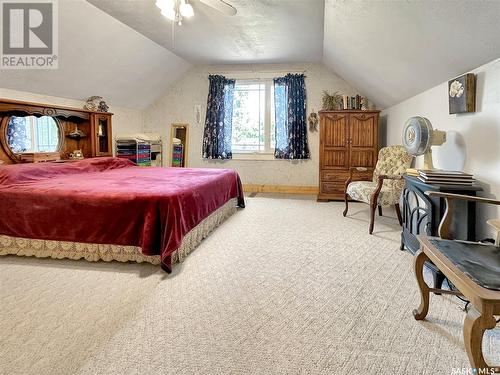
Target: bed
[{"x": 110, "y": 209}]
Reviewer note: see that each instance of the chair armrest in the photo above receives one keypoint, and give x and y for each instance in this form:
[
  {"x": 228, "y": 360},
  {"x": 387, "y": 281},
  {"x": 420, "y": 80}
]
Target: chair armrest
[
  {"x": 380, "y": 183},
  {"x": 444, "y": 225},
  {"x": 355, "y": 169},
  {"x": 390, "y": 177}
]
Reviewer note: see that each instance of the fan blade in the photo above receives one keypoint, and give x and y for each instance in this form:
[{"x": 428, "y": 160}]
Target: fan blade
[{"x": 221, "y": 6}]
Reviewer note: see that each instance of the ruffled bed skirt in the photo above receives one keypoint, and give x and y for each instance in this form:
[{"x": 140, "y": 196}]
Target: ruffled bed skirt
[{"x": 95, "y": 252}]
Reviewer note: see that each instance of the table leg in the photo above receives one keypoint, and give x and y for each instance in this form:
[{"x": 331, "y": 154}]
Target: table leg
[
  {"x": 474, "y": 327},
  {"x": 418, "y": 264}
]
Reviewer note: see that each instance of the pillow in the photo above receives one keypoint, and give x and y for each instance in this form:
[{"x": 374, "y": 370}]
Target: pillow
[{"x": 28, "y": 172}]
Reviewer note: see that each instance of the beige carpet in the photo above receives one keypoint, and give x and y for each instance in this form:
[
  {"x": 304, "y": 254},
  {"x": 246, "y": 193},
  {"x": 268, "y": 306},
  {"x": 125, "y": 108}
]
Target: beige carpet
[{"x": 283, "y": 287}]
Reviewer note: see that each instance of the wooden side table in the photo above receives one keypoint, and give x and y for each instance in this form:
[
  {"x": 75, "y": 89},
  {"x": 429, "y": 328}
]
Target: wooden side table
[
  {"x": 473, "y": 268},
  {"x": 485, "y": 301}
]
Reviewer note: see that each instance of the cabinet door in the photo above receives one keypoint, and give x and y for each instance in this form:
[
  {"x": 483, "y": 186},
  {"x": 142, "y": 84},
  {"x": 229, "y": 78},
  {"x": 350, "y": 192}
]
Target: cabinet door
[
  {"x": 102, "y": 135},
  {"x": 363, "y": 139},
  {"x": 333, "y": 144}
]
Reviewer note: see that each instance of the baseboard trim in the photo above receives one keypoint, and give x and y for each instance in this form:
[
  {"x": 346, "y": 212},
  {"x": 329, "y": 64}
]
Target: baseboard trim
[{"x": 284, "y": 189}]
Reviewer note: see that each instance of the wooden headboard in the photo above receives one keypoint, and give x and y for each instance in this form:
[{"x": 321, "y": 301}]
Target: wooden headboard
[{"x": 95, "y": 144}]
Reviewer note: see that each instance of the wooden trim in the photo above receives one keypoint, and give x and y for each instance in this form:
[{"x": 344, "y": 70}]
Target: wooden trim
[
  {"x": 50, "y": 106},
  {"x": 338, "y": 111},
  {"x": 285, "y": 189}
]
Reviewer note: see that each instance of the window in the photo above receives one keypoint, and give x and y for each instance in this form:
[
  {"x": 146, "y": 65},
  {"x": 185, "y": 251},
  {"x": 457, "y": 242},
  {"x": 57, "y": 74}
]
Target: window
[
  {"x": 253, "y": 117},
  {"x": 32, "y": 134}
]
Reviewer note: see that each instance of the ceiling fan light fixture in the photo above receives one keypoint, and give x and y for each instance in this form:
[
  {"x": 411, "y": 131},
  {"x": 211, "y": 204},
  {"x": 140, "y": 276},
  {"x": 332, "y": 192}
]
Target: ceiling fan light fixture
[{"x": 186, "y": 9}]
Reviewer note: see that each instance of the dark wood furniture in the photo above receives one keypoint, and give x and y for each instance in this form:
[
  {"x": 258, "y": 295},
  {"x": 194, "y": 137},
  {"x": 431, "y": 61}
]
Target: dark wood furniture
[
  {"x": 348, "y": 138},
  {"x": 38, "y": 157},
  {"x": 422, "y": 214},
  {"x": 473, "y": 269},
  {"x": 96, "y": 125}
]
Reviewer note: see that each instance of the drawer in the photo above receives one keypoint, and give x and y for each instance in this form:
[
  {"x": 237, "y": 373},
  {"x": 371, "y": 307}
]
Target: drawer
[
  {"x": 37, "y": 157},
  {"x": 334, "y": 176},
  {"x": 332, "y": 188}
]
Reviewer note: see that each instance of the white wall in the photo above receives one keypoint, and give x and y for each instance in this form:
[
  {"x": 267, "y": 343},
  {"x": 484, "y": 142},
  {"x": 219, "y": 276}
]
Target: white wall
[
  {"x": 125, "y": 120},
  {"x": 99, "y": 55},
  {"x": 177, "y": 106},
  {"x": 473, "y": 140}
]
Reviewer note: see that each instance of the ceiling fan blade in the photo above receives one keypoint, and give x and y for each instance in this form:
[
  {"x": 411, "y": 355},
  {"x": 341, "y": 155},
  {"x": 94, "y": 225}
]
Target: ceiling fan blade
[{"x": 221, "y": 6}]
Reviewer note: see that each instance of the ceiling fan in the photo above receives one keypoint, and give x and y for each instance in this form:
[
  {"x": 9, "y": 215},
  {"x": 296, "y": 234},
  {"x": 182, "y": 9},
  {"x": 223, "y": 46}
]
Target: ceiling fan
[{"x": 176, "y": 10}]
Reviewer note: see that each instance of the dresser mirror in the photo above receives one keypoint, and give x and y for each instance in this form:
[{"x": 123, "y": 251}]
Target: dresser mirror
[{"x": 27, "y": 134}]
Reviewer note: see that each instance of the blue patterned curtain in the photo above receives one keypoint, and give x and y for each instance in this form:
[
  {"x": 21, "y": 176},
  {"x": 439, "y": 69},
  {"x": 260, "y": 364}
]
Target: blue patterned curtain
[
  {"x": 19, "y": 134},
  {"x": 218, "y": 122},
  {"x": 290, "y": 117}
]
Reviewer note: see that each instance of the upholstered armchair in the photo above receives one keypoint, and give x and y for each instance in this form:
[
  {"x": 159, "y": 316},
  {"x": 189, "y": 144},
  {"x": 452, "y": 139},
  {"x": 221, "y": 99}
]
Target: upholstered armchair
[{"x": 387, "y": 184}]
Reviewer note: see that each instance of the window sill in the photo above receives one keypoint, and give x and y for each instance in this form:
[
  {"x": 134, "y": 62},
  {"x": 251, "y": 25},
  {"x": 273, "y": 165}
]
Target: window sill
[{"x": 253, "y": 156}]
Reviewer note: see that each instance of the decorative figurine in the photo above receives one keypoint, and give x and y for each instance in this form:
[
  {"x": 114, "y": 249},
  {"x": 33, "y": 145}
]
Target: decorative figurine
[{"x": 313, "y": 122}]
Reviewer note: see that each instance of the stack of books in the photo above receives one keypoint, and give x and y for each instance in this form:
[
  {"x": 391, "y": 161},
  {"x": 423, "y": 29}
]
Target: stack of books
[
  {"x": 443, "y": 177},
  {"x": 351, "y": 102}
]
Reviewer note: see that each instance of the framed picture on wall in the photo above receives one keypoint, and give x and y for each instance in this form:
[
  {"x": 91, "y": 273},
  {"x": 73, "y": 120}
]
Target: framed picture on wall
[{"x": 462, "y": 94}]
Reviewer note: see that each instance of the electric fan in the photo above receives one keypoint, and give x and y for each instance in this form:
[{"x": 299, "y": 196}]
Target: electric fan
[{"x": 419, "y": 137}]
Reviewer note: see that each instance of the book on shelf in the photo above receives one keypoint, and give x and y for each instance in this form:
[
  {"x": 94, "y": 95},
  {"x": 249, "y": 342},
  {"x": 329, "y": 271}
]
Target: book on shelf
[
  {"x": 447, "y": 182},
  {"x": 444, "y": 173},
  {"x": 442, "y": 177},
  {"x": 445, "y": 177},
  {"x": 412, "y": 172},
  {"x": 351, "y": 102}
]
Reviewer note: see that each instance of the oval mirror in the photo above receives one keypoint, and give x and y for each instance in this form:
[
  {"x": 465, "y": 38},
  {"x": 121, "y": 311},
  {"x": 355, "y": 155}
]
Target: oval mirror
[{"x": 33, "y": 134}]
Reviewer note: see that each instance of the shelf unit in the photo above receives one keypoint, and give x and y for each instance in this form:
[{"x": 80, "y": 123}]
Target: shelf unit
[{"x": 145, "y": 153}]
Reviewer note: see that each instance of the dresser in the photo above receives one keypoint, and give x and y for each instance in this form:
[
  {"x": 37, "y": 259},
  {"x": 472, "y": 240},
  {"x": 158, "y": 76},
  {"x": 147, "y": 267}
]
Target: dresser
[{"x": 348, "y": 138}]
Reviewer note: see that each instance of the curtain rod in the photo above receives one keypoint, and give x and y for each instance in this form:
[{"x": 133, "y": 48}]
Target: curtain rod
[{"x": 241, "y": 72}]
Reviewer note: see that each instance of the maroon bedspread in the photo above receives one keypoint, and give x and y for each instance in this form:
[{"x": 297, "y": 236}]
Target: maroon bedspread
[{"x": 112, "y": 201}]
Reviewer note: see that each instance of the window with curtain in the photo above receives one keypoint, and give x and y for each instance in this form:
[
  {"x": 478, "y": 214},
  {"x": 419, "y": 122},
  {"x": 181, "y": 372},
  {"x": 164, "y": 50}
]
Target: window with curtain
[{"x": 256, "y": 116}]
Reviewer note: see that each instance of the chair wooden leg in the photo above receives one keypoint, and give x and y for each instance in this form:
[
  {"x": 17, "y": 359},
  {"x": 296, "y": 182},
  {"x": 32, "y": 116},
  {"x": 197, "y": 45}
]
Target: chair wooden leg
[
  {"x": 418, "y": 266},
  {"x": 474, "y": 326},
  {"x": 379, "y": 210},
  {"x": 346, "y": 204},
  {"x": 373, "y": 207},
  {"x": 398, "y": 213}
]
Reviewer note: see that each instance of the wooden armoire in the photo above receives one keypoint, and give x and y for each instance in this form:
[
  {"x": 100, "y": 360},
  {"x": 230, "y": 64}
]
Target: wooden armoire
[{"x": 348, "y": 138}]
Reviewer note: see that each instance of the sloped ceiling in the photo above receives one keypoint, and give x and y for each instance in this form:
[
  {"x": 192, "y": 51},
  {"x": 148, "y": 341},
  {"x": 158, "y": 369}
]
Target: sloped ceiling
[
  {"x": 100, "y": 56},
  {"x": 393, "y": 50},
  {"x": 388, "y": 50},
  {"x": 263, "y": 31}
]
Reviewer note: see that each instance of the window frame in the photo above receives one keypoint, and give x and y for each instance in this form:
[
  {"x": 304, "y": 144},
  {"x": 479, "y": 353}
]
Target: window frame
[{"x": 268, "y": 121}]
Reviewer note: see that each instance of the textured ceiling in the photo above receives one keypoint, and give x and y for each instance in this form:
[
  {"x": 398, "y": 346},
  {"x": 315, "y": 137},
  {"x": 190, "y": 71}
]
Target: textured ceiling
[
  {"x": 389, "y": 50},
  {"x": 393, "y": 50},
  {"x": 100, "y": 56},
  {"x": 263, "y": 31}
]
